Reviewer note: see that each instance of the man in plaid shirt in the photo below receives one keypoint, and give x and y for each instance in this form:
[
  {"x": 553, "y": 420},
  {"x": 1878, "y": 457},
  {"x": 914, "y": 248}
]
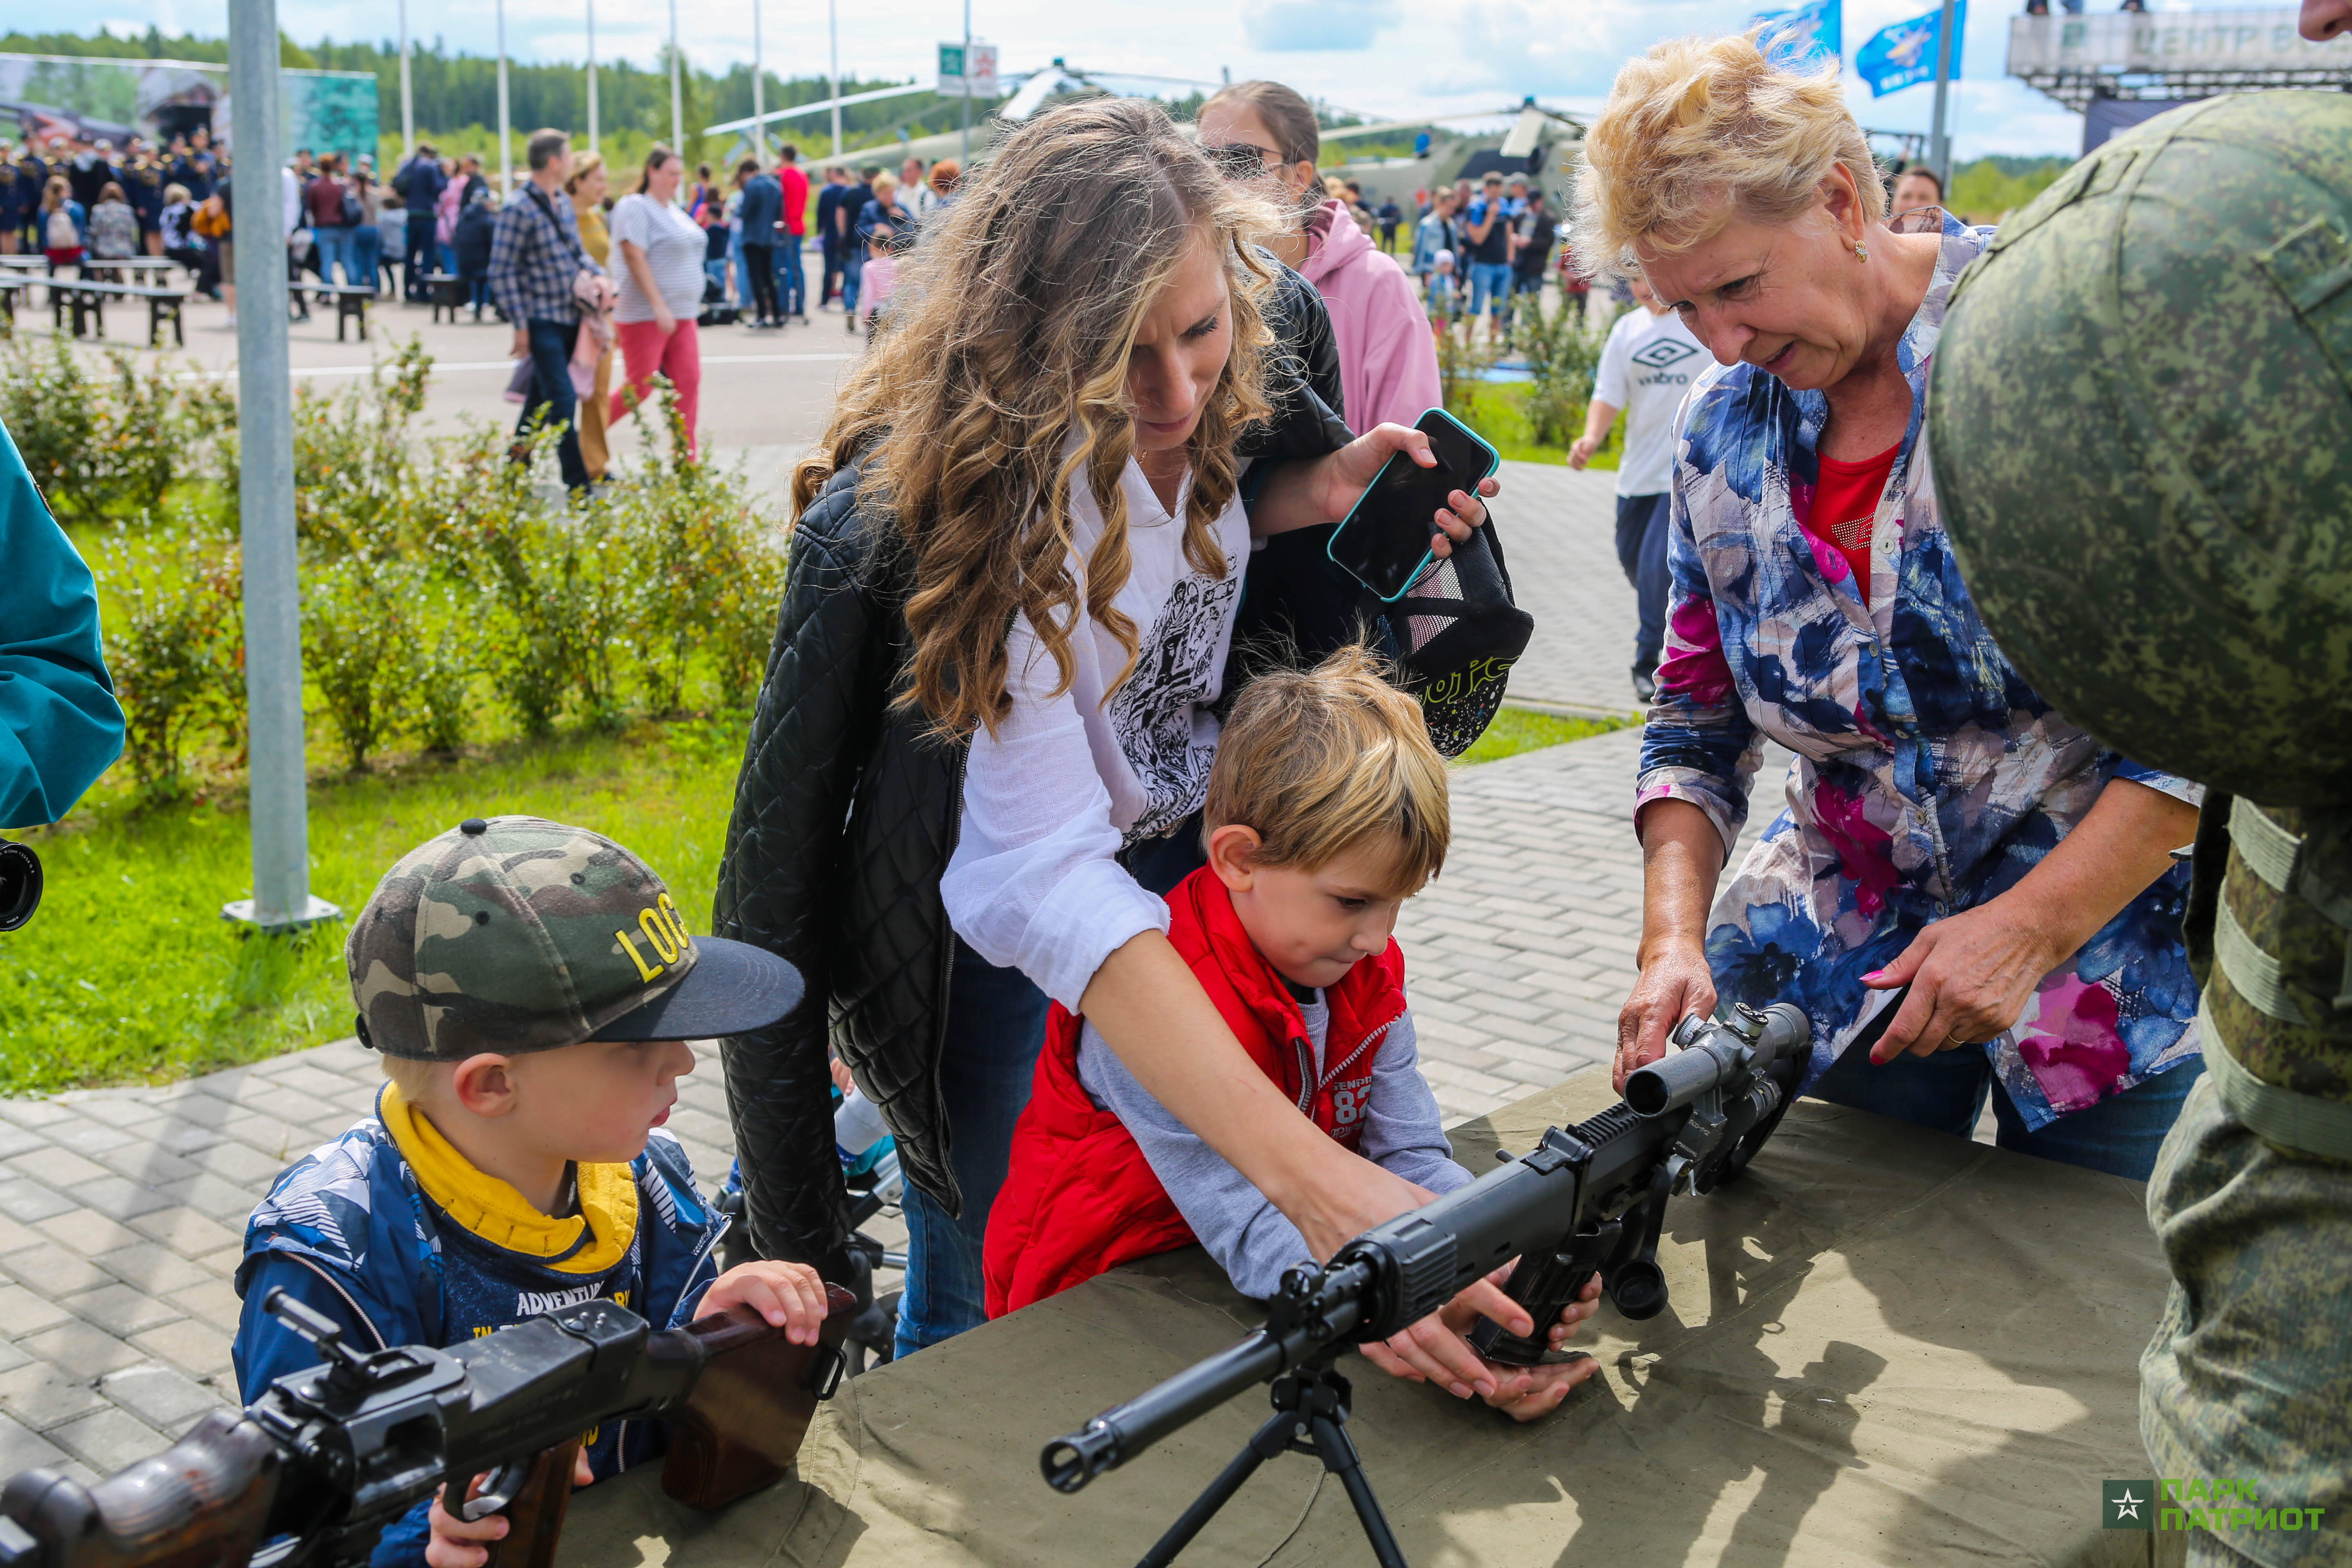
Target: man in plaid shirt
[{"x": 535, "y": 256}]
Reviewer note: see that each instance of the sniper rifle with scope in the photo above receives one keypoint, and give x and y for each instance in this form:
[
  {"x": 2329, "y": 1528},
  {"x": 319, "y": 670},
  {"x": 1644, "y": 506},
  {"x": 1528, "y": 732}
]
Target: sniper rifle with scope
[{"x": 1589, "y": 1198}]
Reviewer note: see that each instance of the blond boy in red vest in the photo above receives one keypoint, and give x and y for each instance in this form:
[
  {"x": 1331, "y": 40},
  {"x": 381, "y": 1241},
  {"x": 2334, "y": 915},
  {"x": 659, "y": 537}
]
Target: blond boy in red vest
[{"x": 1326, "y": 809}]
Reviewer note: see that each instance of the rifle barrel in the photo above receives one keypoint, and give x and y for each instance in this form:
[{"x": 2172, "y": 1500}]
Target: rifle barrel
[{"x": 1125, "y": 1430}]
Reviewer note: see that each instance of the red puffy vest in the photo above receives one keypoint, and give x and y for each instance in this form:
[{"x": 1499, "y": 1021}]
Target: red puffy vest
[{"x": 1078, "y": 1197}]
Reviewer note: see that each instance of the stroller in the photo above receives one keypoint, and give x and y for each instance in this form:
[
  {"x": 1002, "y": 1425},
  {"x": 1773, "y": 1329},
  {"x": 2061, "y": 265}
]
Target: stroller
[{"x": 869, "y": 1167}]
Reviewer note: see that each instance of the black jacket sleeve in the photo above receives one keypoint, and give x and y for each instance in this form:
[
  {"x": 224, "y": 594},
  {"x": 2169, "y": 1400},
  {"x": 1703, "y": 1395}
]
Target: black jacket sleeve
[
  {"x": 818, "y": 707},
  {"x": 1309, "y": 414},
  {"x": 1296, "y": 605}
]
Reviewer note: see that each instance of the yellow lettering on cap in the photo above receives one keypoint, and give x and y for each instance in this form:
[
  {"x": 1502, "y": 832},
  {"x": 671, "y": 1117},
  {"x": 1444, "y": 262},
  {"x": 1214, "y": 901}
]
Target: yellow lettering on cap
[
  {"x": 677, "y": 927},
  {"x": 658, "y": 932},
  {"x": 648, "y": 975}
]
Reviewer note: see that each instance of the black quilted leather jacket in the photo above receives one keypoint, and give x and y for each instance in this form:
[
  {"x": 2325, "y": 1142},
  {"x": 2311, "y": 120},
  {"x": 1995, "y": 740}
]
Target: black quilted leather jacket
[{"x": 845, "y": 815}]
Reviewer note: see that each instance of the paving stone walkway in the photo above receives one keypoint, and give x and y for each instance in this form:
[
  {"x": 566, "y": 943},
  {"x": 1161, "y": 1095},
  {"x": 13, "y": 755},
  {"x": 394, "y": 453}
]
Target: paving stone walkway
[{"x": 122, "y": 1210}]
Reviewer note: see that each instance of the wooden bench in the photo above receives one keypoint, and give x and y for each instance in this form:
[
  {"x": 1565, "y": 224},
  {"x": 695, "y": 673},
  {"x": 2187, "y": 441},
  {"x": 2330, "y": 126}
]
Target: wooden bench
[
  {"x": 350, "y": 304},
  {"x": 148, "y": 270},
  {"x": 448, "y": 292},
  {"x": 86, "y": 302}
]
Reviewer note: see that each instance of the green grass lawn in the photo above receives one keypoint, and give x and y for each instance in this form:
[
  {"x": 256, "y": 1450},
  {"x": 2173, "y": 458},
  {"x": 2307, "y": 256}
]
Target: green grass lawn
[
  {"x": 128, "y": 972},
  {"x": 1495, "y": 413},
  {"x": 1517, "y": 730}
]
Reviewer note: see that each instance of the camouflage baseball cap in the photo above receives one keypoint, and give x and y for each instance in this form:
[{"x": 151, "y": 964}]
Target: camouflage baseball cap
[{"x": 515, "y": 933}]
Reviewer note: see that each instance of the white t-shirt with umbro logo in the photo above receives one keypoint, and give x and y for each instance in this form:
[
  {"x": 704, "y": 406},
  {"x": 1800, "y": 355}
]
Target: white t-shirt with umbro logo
[{"x": 1647, "y": 364}]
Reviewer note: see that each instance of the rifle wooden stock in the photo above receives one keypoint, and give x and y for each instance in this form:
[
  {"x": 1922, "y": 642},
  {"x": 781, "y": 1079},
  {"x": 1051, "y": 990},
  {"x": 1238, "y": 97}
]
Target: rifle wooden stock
[
  {"x": 535, "y": 1517},
  {"x": 200, "y": 1503},
  {"x": 737, "y": 1431},
  {"x": 741, "y": 1426}
]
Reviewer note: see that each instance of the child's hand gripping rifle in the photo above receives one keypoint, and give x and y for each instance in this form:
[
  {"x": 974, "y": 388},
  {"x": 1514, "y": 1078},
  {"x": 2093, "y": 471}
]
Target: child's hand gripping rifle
[
  {"x": 309, "y": 1474},
  {"x": 1588, "y": 1199}
]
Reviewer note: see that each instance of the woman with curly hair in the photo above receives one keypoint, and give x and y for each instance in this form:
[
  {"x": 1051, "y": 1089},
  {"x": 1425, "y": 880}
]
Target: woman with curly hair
[
  {"x": 990, "y": 707},
  {"x": 1948, "y": 831}
]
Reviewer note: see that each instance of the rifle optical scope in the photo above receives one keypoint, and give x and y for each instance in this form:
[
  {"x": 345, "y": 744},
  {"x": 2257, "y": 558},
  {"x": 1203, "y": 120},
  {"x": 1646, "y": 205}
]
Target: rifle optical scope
[
  {"x": 20, "y": 884},
  {"x": 1711, "y": 1055}
]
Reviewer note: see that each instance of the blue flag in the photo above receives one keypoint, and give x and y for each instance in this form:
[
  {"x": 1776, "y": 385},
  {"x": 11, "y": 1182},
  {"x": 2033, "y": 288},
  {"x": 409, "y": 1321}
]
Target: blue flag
[
  {"x": 1807, "y": 40},
  {"x": 1904, "y": 53}
]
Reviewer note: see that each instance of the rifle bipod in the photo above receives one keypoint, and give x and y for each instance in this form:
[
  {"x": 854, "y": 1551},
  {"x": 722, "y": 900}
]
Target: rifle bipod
[{"x": 1310, "y": 1415}]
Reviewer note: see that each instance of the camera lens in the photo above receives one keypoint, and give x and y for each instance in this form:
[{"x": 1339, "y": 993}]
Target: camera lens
[{"x": 20, "y": 884}]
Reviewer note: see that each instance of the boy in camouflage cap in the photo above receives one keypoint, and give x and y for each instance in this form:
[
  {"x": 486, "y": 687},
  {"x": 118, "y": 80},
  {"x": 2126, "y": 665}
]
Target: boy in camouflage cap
[{"x": 531, "y": 988}]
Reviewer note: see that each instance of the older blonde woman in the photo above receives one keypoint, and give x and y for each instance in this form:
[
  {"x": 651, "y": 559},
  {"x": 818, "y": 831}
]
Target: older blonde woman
[{"x": 1947, "y": 831}]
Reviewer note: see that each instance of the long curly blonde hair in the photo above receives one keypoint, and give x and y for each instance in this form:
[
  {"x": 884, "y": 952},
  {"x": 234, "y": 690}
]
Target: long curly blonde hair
[{"x": 1000, "y": 381}]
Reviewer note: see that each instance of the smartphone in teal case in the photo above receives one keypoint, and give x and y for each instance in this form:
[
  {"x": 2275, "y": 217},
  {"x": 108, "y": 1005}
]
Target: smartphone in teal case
[{"x": 1384, "y": 541}]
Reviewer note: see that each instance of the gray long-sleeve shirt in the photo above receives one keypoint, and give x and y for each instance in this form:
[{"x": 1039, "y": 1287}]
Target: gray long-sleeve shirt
[{"x": 1240, "y": 1227}]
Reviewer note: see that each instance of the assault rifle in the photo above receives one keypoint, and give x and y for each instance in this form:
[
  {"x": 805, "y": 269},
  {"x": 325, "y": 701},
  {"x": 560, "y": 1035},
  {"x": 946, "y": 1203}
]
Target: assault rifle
[
  {"x": 1590, "y": 1198},
  {"x": 309, "y": 1474}
]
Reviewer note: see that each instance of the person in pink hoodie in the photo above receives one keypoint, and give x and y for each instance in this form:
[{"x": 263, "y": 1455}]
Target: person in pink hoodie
[{"x": 1262, "y": 130}]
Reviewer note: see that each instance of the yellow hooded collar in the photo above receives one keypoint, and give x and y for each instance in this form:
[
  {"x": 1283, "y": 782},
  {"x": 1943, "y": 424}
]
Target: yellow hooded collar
[{"x": 494, "y": 1211}]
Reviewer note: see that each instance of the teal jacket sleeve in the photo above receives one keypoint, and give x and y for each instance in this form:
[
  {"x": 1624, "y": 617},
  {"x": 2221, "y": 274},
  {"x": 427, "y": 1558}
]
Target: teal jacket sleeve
[{"x": 60, "y": 726}]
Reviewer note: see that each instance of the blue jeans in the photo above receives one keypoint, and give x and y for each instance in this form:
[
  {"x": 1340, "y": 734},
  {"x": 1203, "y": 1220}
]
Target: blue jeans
[
  {"x": 335, "y": 245},
  {"x": 853, "y": 273},
  {"x": 422, "y": 251},
  {"x": 996, "y": 1023},
  {"x": 553, "y": 402},
  {"x": 1490, "y": 287},
  {"x": 741, "y": 295},
  {"x": 716, "y": 271},
  {"x": 1946, "y": 1092},
  {"x": 1642, "y": 551},
  {"x": 367, "y": 254},
  {"x": 789, "y": 273}
]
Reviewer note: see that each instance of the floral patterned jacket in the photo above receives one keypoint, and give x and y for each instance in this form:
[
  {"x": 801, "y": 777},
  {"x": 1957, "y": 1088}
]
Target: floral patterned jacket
[{"x": 1930, "y": 777}]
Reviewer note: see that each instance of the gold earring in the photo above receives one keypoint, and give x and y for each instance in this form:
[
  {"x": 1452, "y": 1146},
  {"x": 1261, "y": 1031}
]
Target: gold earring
[{"x": 1861, "y": 251}]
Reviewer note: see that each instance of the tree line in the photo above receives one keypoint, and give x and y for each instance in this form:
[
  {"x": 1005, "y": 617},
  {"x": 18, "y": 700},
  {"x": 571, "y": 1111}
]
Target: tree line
[{"x": 452, "y": 90}]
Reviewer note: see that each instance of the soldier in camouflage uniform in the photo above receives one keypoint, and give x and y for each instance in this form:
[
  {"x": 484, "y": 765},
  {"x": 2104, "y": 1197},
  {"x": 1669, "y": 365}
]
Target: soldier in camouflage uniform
[
  {"x": 531, "y": 987},
  {"x": 2186, "y": 293}
]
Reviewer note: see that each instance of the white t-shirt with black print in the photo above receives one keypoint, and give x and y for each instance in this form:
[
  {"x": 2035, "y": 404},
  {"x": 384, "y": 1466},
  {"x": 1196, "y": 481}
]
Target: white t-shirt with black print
[
  {"x": 1648, "y": 363},
  {"x": 1067, "y": 781}
]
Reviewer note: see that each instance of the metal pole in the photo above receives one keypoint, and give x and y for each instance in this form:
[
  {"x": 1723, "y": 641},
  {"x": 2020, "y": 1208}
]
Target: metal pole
[
  {"x": 676, "y": 101},
  {"x": 759, "y": 95},
  {"x": 273, "y": 614},
  {"x": 963, "y": 154},
  {"x": 506, "y": 131},
  {"x": 833, "y": 30},
  {"x": 1940, "y": 150},
  {"x": 592, "y": 75},
  {"x": 408, "y": 95}
]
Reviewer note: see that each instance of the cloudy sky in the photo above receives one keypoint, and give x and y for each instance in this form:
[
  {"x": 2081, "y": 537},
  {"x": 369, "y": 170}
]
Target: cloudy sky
[{"x": 1376, "y": 57}]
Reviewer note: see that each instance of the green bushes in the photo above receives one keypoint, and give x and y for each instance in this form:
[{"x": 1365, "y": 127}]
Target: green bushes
[
  {"x": 175, "y": 643},
  {"x": 448, "y": 598},
  {"x": 1562, "y": 358},
  {"x": 108, "y": 442}
]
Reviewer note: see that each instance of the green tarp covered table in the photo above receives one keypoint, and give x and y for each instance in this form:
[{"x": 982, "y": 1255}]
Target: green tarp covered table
[{"x": 1884, "y": 1346}]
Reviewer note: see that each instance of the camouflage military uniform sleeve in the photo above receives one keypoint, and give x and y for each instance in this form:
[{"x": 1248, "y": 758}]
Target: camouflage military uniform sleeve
[{"x": 1699, "y": 744}]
